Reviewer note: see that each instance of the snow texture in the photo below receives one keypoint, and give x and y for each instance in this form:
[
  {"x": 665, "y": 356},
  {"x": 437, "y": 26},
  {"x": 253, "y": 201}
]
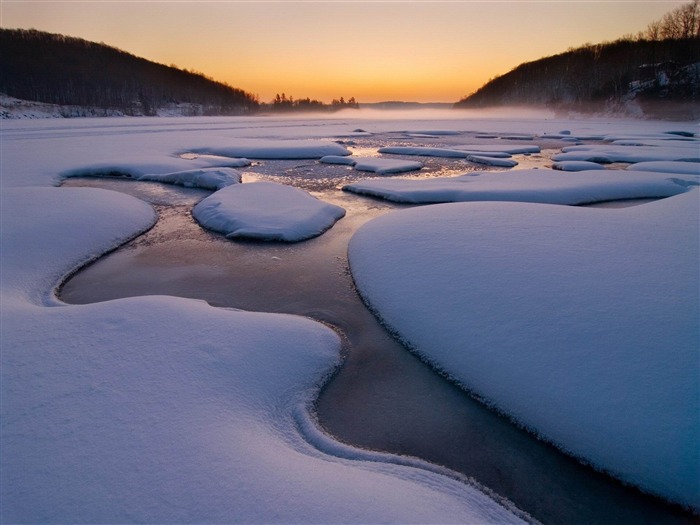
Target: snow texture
[
  {"x": 266, "y": 211},
  {"x": 205, "y": 178},
  {"x": 581, "y": 324},
  {"x": 531, "y": 185},
  {"x": 386, "y": 166}
]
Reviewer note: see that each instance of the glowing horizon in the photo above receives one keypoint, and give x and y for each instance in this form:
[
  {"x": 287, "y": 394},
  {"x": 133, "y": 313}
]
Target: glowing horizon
[{"x": 421, "y": 51}]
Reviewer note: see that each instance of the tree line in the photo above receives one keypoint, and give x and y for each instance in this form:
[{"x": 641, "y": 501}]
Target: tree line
[
  {"x": 284, "y": 103},
  {"x": 662, "y": 62},
  {"x": 57, "y": 69}
]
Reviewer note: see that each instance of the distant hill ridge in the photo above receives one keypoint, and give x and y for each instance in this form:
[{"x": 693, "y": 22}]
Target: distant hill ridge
[
  {"x": 68, "y": 71},
  {"x": 652, "y": 76}
]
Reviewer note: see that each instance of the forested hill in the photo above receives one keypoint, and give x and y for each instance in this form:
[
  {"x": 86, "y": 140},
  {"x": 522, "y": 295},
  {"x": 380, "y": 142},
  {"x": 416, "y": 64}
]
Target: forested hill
[
  {"x": 57, "y": 69},
  {"x": 652, "y": 76}
]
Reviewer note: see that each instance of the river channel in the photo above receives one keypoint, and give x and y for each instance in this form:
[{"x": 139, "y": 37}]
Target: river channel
[{"x": 383, "y": 397}]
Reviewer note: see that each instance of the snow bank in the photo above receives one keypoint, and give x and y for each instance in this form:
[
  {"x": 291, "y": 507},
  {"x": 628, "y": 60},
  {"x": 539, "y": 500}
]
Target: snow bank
[
  {"x": 205, "y": 178},
  {"x": 386, "y": 166},
  {"x": 606, "y": 154},
  {"x": 276, "y": 149},
  {"x": 682, "y": 168},
  {"x": 267, "y": 211},
  {"x": 531, "y": 185},
  {"x": 581, "y": 324}
]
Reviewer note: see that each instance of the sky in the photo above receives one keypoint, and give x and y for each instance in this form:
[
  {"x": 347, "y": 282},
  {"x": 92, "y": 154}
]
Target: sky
[{"x": 373, "y": 50}]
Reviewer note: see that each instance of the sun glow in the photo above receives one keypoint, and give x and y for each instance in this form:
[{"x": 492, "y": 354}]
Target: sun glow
[{"x": 428, "y": 51}]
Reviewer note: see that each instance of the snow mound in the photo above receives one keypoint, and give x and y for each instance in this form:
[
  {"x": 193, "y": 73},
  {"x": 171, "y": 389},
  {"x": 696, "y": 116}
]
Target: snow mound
[
  {"x": 531, "y": 185},
  {"x": 335, "y": 159},
  {"x": 581, "y": 324},
  {"x": 607, "y": 154},
  {"x": 266, "y": 211},
  {"x": 682, "y": 168},
  {"x": 386, "y": 166},
  {"x": 492, "y": 161},
  {"x": 205, "y": 178},
  {"x": 277, "y": 149},
  {"x": 216, "y": 161},
  {"x": 577, "y": 165}
]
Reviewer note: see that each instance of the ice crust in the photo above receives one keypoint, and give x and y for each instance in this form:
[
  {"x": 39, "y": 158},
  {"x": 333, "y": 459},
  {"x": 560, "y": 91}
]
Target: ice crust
[
  {"x": 529, "y": 185},
  {"x": 580, "y": 324},
  {"x": 577, "y": 165},
  {"x": 266, "y": 211},
  {"x": 679, "y": 151}
]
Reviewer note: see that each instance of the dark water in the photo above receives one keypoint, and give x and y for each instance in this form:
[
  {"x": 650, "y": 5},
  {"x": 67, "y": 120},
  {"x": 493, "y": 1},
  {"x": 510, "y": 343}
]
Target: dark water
[{"x": 383, "y": 398}]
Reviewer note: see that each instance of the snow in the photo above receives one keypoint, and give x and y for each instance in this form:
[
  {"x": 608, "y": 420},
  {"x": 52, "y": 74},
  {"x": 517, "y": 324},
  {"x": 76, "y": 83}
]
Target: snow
[
  {"x": 528, "y": 185},
  {"x": 277, "y": 149},
  {"x": 580, "y": 324},
  {"x": 611, "y": 153},
  {"x": 576, "y": 165},
  {"x": 166, "y": 410},
  {"x": 162, "y": 409},
  {"x": 386, "y": 166},
  {"x": 511, "y": 149},
  {"x": 205, "y": 178},
  {"x": 335, "y": 159},
  {"x": 267, "y": 211},
  {"x": 424, "y": 151},
  {"x": 683, "y": 168},
  {"x": 492, "y": 161}
]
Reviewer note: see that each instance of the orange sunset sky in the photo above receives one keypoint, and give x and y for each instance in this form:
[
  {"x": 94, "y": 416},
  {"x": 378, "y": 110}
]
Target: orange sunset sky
[{"x": 374, "y": 50}]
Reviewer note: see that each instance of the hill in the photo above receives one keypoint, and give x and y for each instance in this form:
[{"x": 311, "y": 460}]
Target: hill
[
  {"x": 71, "y": 72},
  {"x": 656, "y": 77}
]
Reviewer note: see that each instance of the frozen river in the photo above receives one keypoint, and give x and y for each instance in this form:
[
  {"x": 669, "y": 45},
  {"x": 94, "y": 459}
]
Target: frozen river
[{"x": 383, "y": 397}]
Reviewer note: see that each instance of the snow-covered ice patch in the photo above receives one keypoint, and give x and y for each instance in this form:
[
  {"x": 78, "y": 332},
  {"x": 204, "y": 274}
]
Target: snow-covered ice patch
[
  {"x": 492, "y": 161},
  {"x": 577, "y": 165},
  {"x": 276, "y": 149},
  {"x": 531, "y": 185},
  {"x": 510, "y": 149},
  {"x": 579, "y": 323},
  {"x": 336, "y": 159},
  {"x": 424, "y": 151},
  {"x": 205, "y": 178},
  {"x": 682, "y": 168},
  {"x": 216, "y": 161},
  {"x": 267, "y": 211},
  {"x": 386, "y": 166},
  {"x": 607, "y": 154}
]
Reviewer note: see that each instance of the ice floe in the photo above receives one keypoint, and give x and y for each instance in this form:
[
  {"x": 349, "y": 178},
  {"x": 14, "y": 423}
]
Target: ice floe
[
  {"x": 581, "y": 324},
  {"x": 530, "y": 185},
  {"x": 577, "y": 165},
  {"x": 205, "y": 178},
  {"x": 492, "y": 161},
  {"x": 424, "y": 151},
  {"x": 606, "y": 154},
  {"x": 266, "y": 211},
  {"x": 336, "y": 159},
  {"x": 682, "y": 168},
  {"x": 386, "y": 166},
  {"x": 276, "y": 149}
]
